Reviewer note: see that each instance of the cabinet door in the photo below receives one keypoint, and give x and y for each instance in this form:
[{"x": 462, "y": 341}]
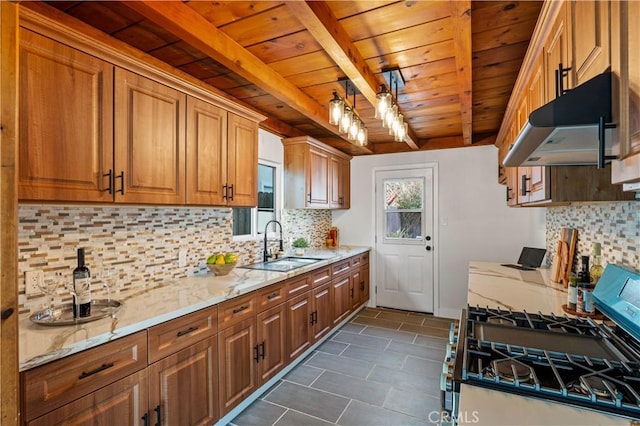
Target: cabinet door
[
  {"x": 540, "y": 183},
  {"x": 183, "y": 387},
  {"x": 345, "y": 183},
  {"x": 556, "y": 52},
  {"x": 66, "y": 122},
  {"x": 206, "y": 153},
  {"x": 121, "y": 403},
  {"x": 364, "y": 283},
  {"x": 299, "y": 324},
  {"x": 339, "y": 169},
  {"x": 354, "y": 290},
  {"x": 321, "y": 311},
  {"x": 272, "y": 342},
  {"x": 512, "y": 185},
  {"x": 149, "y": 141},
  {"x": 242, "y": 158},
  {"x": 524, "y": 184},
  {"x": 590, "y": 23},
  {"x": 237, "y": 363},
  {"x": 340, "y": 300},
  {"x": 318, "y": 178}
]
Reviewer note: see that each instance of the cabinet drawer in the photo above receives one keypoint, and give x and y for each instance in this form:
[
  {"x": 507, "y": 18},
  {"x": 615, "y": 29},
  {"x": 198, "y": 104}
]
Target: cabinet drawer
[
  {"x": 359, "y": 260},
  {"x": 340, "y": 267},
  {"x": 52, "y": 385},
  {"x": 170, "y": 337},
  {"x": 320, "y": 276},
  {"x": 298, "y": 285},
  {"x": 271, "y": 296},
  {"x": 235, "y": 310}
]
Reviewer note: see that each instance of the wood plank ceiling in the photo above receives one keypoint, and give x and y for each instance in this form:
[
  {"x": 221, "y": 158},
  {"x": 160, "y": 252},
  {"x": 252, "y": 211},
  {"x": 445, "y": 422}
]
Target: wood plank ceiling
[{"x": 460, "y": 59}]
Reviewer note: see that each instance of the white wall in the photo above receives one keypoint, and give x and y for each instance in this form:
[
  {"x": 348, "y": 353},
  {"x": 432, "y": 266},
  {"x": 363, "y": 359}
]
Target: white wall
[{"x": 474, "y": 221}]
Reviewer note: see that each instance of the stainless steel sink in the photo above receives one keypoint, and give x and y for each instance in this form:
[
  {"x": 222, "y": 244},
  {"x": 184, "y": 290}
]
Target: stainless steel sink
[{"x": 282, "y": 265}]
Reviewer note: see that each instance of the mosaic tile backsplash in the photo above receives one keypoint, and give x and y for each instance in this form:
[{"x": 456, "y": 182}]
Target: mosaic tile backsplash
[
  {"x": 616, "y": 226},
  {"x": 137, "y": 244}
]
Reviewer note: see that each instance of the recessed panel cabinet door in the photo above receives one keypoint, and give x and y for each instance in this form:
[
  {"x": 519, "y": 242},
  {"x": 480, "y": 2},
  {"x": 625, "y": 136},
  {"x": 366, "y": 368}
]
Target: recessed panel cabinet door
[
  {"x": 206, "y": 153},
  {"x": 237, "y": 361},
  {"x": 184, "y": 386},
  {"x": 318, "y": 177},
  {"x": 299, "y": 324},
  {"x": 149, "y": 141},
  {"x": 121, "y": 403},
  {"x": 272, "y": 342},
  {"x": 321, "y": 311},
  {"x": 66, "y": 122},
  {"x": 242, "y": 166}
]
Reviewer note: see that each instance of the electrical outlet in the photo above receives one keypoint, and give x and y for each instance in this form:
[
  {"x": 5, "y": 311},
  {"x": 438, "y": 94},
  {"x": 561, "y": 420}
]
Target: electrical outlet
[
  {"x": 182, "y": 258},
  {"x": 33, "y": 281}
]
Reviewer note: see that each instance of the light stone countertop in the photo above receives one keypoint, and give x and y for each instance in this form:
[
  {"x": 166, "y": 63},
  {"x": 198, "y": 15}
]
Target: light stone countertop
[
  {"x": 154, "y": 304},
  {"x": 492, "y": 285}
]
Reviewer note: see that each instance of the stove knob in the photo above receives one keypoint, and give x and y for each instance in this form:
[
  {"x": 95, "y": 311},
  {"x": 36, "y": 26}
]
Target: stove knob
[
  {"x": 451, "y": 351},
  {"x": 453, "y": 332},
  {"x": 446, "y": 381}
]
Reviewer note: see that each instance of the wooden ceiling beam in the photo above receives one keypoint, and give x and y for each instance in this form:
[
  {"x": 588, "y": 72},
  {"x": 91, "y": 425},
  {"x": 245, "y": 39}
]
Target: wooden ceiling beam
[
  {"x": 461, "y": 22},
  {"x": 185, "y": 23},
  {"x": 323, "y": 25}
]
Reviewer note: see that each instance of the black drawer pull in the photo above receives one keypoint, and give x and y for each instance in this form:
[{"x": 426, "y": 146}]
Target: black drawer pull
[
  {"x": 157, "y": 410},
  {"x": 103, "y": 367},
  {"x": 145, "y": 419},
  {"x": 240, "y": 309},
  {"x": 273, "y": 296},
  {"x": 187, "y": 331}
]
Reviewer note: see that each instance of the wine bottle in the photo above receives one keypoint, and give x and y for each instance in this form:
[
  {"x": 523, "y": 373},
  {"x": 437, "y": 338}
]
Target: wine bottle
[
  {"x": 82, "y": 287},
  {"x": 596, "y": 269}
]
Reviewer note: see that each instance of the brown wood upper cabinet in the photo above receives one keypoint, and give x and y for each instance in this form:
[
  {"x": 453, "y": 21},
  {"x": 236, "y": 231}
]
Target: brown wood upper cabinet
[
  {"x": 66, "y": 122},
  {"x": 95, "y": 132},
  {"x": 625, "y": 53},
  {"x": 316, "y": 175},
  {"x": 222, "y": 156}
]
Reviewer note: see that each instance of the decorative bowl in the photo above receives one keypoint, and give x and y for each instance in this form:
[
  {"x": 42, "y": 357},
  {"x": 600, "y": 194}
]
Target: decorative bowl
[{"x": 220, "y": 270}]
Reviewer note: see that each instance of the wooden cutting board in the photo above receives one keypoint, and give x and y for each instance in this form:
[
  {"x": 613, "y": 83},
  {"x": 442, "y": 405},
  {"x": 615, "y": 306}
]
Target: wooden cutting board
[{"x": 562, "y": 263}]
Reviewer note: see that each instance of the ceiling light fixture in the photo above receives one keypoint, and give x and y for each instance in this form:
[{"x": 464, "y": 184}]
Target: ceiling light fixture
[
  {"x": 344, "y": 116},
  {"x": 387, "y": 107}
]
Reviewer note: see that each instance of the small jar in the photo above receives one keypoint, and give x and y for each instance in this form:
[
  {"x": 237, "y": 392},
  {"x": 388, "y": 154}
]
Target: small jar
[
  {"x": 572, "y": 293},
  {"x": 584, "y": 303}
]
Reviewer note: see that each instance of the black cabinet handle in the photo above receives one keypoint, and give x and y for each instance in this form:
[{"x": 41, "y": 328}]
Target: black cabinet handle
[
  {"x": 145, "y": 419},
  {"x": 523, "y": 185},
  {"x": 225, "y": 192},
  {"x": 273, "y": 295},
  {"x": 351, "y": 292},
  {"x": 362, "y": 285},
  {"x": 508, "y": 194},
  {"x": 312, "y": 321},
  {"x": 187, "y": 331},
  {"x": 157, "y": 410},
  {"x": 231, "y": 190},
  {"x": 262, "y": 349},
  {"x": 309, "y": 197},
  {"x": 560, "y": 74},
  {"x": 6, "y": 313},
  {"x": 341, "y": 198},
  {"x": 602, "y": 126},
  {"x": 256, "y": 353},
  {"x": 121, "y": 177},
  {"x": 240, "y": 309},
  {"x": 103, "y": 367},
  {"x": 111, "y": 182}
]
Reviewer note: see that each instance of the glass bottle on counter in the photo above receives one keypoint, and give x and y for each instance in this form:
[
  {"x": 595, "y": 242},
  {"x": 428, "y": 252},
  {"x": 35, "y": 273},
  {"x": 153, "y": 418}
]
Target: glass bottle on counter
[
  {"x": 595, "y": 272},
  {"x": 82, "y": 287},
  {"x": 572, "y": 292}
]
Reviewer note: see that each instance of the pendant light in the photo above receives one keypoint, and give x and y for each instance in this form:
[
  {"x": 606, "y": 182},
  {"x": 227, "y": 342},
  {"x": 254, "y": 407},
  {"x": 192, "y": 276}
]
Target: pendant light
[
  {"x": 343, "y": 115},
  {"x": 387, "y": 108},
  {"x": 336, "y": 107}
]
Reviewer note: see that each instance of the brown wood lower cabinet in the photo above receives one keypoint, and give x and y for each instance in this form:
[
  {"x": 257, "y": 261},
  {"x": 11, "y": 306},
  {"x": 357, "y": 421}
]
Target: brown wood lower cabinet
[
  {"x": 122, "y": 402},
  {"x": 184, "y": 386},
  {"x": 238, "y": 359},
  {"x": 194, "y": 369}
]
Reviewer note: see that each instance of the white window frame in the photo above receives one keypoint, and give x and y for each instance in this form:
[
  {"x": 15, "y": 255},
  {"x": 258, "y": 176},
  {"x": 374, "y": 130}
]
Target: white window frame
[{"x": 258, "y": 235}]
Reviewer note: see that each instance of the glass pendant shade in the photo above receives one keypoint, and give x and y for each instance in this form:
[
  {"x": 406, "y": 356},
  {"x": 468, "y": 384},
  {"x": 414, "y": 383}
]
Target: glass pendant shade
[
  {"x": 353, "y": 129},
  {"x": 336, "y": 107},
  {"x": 362, "y": 135},
  {"x": 402, "y": 132},
  {"x": 345, "y": 120},
  {"x": 383, "y": 102},
  {"x": 397, "y": 123},
  {"x": 390, "y": 116}
]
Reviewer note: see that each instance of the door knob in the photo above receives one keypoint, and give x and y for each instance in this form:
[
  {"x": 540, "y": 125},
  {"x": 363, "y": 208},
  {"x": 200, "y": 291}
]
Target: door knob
[{"x": 428, "y": 248}]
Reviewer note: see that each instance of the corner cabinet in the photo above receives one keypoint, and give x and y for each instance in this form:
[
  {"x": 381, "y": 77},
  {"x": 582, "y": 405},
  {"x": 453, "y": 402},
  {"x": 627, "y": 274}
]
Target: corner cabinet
[
  {"x": 126, "y": 132},
  {"x": 316, "y": 176}
]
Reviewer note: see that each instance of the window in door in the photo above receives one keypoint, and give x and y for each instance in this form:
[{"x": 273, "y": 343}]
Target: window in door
[
  {"x": 248, "y": 221},
  {"x": 404, "y": 209}
]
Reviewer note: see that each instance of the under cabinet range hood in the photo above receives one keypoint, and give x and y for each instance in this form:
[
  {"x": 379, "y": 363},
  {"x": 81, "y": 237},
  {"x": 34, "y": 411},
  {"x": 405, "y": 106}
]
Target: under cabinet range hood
[{"x": 570, "y": 130}]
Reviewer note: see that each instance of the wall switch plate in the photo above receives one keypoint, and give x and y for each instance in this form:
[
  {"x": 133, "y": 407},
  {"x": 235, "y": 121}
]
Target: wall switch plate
[
  {"x": 182, "y": 258},
  {"x": 33, "y": 281}
]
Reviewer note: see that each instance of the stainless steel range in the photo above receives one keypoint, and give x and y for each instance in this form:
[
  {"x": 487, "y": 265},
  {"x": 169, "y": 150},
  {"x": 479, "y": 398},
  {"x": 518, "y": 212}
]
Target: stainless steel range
[{"x": 558, "y": 358}]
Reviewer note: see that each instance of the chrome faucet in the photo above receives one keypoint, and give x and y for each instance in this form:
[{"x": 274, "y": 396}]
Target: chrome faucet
[{"x": 267, "y": 255}]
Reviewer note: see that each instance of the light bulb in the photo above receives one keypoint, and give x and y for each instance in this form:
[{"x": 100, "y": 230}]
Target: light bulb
[
  {"x": 345, "y": 120},
  {"x": 336, "y": 106}
]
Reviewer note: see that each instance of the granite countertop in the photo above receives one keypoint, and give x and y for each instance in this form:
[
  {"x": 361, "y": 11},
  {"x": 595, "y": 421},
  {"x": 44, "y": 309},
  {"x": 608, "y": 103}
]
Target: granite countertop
[
  {"x": 492, "y": 285},
  {"x": 154, "y": 304}
]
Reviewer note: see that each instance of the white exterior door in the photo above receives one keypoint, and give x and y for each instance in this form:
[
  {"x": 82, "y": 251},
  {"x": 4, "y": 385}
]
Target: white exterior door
[{"x": 404, "y": 239}]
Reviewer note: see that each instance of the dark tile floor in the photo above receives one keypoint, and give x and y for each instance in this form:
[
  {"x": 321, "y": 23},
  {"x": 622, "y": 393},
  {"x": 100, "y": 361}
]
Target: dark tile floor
[{"x": 382, "y": 368}]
